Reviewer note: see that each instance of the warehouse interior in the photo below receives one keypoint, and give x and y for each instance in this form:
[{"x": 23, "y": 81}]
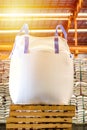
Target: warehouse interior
[{"x": 42, "y": 17}]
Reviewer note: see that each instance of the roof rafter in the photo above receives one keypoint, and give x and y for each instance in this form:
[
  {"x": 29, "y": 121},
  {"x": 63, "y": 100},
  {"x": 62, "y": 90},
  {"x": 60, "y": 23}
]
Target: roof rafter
[{"x": 75, "y": 12}]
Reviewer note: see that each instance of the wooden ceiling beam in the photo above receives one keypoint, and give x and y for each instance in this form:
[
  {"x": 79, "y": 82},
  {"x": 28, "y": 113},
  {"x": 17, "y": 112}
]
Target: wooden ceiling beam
[
  {"x": 75, "y": 13},
  {"x": 78, "y": 50},
  {"x": 8, "y": 47},
  {"x": 44, "y": 6},
  {"x": 73, "y": 18},
  {"x": 76, "y": 39},
  {"x": 78, "y": 7}
]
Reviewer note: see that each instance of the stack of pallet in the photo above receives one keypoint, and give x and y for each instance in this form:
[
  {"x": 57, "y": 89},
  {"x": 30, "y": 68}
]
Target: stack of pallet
[{"x": 40, "y": 117}]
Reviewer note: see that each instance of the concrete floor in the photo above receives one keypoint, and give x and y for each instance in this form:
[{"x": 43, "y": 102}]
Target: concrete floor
[
  {"x": 79, "y": 127},
  {"x": 75, "y": 127}
]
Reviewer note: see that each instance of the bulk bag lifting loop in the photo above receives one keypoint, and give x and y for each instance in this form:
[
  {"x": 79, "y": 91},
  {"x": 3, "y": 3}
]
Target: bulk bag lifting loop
[
  {"x": 25, "y": 30},
  {"x": 56, "y": 44}
]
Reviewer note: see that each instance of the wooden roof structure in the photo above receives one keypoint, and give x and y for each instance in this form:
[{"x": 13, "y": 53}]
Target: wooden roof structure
[{"x": 43, "y": 16}]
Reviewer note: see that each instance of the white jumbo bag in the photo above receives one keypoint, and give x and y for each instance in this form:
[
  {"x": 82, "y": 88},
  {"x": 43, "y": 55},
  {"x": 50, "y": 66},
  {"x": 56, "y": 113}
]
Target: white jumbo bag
[{"x": 41, "y": 70}]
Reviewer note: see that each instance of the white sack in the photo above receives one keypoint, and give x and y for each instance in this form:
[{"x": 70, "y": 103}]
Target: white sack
[{"x": 41, "y": 76}]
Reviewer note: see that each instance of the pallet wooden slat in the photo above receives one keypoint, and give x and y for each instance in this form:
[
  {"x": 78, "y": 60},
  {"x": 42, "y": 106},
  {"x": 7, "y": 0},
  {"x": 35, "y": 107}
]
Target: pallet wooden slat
[
  {"x": 39, "y": 114},
  {"x": 35, "y": 126},
  {"x": 15, "y": 120},
  {"x": 42, "y": 107}
]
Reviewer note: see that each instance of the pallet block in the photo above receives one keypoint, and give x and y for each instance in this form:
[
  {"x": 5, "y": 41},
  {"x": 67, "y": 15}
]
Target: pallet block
[{"x": 25, "y": 117}]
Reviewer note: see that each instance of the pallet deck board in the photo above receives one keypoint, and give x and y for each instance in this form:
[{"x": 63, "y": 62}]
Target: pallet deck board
[
  {"x": 39, "y": 126},
  {"x": 42, "y": 107},
  {"x": 15, "y": 120},
  {"x": 39, "y": 114}
]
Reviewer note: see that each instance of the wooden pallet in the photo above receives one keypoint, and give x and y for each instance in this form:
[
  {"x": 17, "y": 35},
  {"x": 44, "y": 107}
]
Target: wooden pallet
[{"x": 25, "y": 117}]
